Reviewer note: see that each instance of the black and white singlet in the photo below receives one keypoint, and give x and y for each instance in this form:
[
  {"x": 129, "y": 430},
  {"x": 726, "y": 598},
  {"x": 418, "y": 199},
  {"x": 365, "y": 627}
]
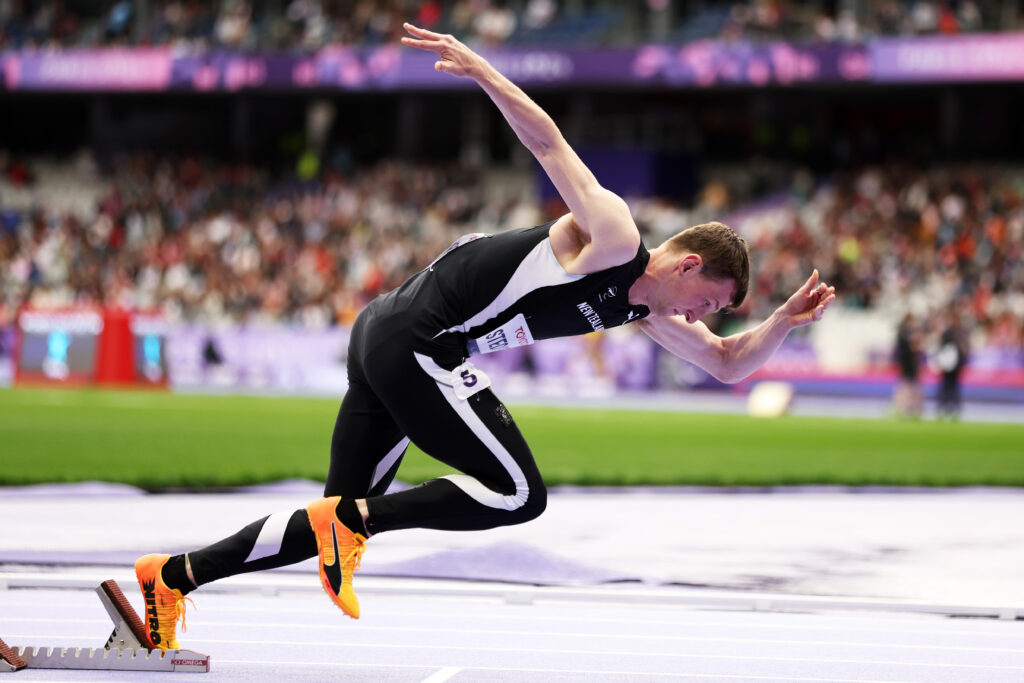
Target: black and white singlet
[{"x": 487, "y": 293}]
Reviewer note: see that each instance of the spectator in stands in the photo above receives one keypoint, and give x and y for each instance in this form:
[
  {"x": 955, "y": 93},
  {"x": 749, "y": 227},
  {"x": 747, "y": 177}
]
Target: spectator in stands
[
  {"x": 539, "y": 13},
  {"x": 208, "y": 241},
  {"x": 312, "y": 24},
  {"x": 493, "y": 24},
  {"x": 233, "y": 24},
  {"x": 120, "y": 21}
]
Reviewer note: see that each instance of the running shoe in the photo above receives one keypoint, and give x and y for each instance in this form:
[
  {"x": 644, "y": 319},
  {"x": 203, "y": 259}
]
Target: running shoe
[
  {"x": 164, "y": 606},
  {"x": 340, "y": 552}
]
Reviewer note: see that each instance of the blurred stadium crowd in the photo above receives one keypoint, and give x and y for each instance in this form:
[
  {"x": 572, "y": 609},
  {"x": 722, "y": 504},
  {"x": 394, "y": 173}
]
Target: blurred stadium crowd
[
  {"x": 897, "y": 239},
  {"x": 213, "y": 242},
  {"x": 195, "y": 25}
]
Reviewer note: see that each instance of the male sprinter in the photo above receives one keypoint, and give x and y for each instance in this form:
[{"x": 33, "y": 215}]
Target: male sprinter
[{"x": 410, "y": 378}]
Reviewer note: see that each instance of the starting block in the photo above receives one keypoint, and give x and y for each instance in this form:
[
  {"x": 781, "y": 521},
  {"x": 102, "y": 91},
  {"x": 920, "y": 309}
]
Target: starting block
[{"x": 125, "y": 649}]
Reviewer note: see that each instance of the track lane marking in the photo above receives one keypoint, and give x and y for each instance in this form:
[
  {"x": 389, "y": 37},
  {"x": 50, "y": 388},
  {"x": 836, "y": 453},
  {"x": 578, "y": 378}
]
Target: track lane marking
[
  {"x": 617, "y": 674},
  {"x": 203, "y": 642},
  {"x": 442, "y": 675},
  {"x": 563, "y": 634},
  {"x": 941, "y": 630}
]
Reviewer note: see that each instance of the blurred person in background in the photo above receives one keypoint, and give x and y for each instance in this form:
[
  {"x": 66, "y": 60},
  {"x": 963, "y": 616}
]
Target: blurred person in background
[
  {"x": 410, "y": 378},
  {"x": 951, "y": 358},
  {"x": 908, "y": 398}
]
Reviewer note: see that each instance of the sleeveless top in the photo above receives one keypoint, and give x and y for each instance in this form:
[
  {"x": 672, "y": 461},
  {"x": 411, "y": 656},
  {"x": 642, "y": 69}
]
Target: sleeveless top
[{"x": 487, "y": 293}]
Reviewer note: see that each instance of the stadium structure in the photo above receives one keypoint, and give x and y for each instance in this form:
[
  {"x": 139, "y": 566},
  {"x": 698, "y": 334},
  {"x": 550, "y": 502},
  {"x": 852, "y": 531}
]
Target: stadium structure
[{"x": 180, "y": 174}]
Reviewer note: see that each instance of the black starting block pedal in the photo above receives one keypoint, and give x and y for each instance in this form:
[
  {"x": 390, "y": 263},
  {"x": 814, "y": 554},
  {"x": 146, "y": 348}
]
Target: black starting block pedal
[{"x": 125, "y": 649}]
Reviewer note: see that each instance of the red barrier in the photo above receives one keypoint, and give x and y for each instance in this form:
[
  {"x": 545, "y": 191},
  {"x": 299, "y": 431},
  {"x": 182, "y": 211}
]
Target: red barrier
[{"x": 114, "y": 357}]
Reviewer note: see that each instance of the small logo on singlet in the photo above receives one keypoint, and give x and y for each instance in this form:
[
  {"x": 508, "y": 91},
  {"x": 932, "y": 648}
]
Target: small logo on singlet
[{"x": 607, "y": 294}]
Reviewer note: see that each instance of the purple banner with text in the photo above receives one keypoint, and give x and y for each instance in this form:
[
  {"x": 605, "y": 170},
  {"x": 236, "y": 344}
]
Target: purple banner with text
[
  {"x": 131, "y": 69},
  {"x": 701, "y": 64},
  {"x": 950, "y": 58}
]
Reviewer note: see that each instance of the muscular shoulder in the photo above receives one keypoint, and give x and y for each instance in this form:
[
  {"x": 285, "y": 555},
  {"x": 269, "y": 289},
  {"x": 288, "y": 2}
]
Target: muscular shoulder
[{"x": 580, "y": 252}]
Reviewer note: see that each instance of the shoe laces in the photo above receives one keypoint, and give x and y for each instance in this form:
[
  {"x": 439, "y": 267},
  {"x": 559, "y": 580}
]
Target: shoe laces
[
  {"x": 355, "y": 556},
  {"x": 179, "y": 610}
]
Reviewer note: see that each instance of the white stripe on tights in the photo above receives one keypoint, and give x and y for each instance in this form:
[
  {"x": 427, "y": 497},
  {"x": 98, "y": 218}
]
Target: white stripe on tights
[
  {"x": 271, "y": 536},
  {"x": 471, "y": 486},
  {"x": 389, "y": 461}
]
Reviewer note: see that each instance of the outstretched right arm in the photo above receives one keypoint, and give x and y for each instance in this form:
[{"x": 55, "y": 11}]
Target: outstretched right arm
[{"x": 600, "y": 213}]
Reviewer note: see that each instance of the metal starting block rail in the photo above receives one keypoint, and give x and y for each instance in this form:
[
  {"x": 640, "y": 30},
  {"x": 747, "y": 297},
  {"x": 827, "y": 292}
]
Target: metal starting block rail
[{"x": 125, "y": 649}]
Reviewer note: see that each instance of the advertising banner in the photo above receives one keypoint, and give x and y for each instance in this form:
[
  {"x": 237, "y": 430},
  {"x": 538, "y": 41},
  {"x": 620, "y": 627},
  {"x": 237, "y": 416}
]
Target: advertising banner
[
  {"x": 700, "y": 64},
  {"x": 89, "y": 345},
  {"x": 62, "y": 347},
  {"x": 706, "y": 64},
  {"x": 997, "y": 57},
  {"x": 57, "y": 346},
  {"x": 129, "y": 69}
]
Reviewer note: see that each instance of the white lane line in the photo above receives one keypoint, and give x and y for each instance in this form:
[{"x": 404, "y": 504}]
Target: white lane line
[
  {"x": 616, "y": 674},
  {"x": 983, "y": 628},
  {"x": 202, "y": 642},
  {"x": 565, "y": 634},
  {"x": 442, "y": 675}
]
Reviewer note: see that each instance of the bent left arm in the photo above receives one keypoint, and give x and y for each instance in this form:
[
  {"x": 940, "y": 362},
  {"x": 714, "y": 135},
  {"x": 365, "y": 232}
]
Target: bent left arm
[{"x": 730, "y": 359}]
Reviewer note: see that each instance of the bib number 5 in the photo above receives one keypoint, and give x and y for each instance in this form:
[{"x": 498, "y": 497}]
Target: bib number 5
[{"x": 468, "y": 380}]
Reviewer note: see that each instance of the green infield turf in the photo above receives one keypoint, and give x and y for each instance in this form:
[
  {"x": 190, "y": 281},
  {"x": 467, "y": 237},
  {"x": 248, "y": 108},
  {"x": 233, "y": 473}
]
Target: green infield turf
[{"x": 158, "y": 440}]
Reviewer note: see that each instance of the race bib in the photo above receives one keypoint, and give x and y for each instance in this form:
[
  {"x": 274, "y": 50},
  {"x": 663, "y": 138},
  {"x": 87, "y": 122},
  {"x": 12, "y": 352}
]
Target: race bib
[
  {"x": 513, "y": 333},
  {"x": 468, "y": 380}
]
